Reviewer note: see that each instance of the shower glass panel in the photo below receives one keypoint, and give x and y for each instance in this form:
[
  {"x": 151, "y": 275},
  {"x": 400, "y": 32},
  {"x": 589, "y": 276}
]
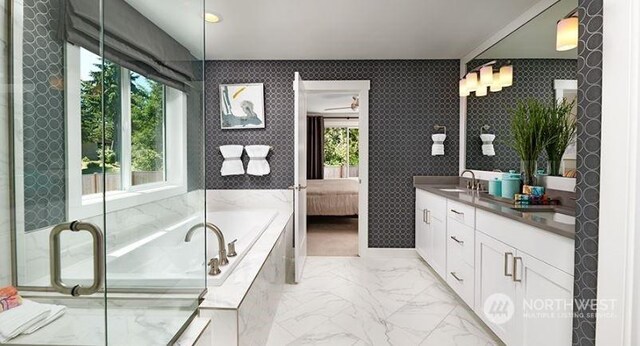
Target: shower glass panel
[{"x": 107, "y": 156}]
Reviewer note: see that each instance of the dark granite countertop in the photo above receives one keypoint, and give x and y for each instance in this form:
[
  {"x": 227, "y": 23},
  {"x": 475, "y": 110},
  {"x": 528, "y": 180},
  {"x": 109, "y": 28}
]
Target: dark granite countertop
[{"x": 486, "y": 202}]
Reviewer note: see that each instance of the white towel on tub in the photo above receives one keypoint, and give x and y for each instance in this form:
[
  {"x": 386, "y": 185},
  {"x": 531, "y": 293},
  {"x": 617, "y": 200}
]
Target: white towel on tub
[
  {"x": 258, "y": 164},
  {"x": 232, "y": 164}
]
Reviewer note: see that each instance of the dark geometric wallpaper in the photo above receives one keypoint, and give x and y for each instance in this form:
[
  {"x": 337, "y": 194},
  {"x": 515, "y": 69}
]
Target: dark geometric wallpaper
[
  {"x": 588, "y": 180},
  {"x": 43, "y": 116},
  {"x": 532, "y": 78},
  {"x": 406, "y": 99}
]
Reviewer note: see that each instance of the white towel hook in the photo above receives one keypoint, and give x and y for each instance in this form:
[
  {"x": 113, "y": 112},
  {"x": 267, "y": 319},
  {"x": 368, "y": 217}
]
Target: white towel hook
[{"x": 484, "y": 128}]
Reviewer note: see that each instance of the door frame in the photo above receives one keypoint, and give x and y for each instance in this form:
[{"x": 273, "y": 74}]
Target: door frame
[
  {"x": 362, "y": 87},
  {"x": 618, "y": 241}
]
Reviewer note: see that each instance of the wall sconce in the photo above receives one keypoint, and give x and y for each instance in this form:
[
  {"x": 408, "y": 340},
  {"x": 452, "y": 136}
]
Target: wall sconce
[
  {"x": 490, "y": 77},
  {"x": 567, "y": 32}
]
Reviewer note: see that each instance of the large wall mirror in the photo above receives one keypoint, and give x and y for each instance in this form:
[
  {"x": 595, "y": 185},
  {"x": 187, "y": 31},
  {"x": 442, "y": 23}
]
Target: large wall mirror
[{"x": 538, "y": 66}]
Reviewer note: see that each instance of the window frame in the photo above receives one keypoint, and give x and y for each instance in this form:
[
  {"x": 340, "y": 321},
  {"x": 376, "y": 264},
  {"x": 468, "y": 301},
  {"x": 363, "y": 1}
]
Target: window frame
[
  {"x": 347, "y": 127},
  {"x": 83, "y": 206}
]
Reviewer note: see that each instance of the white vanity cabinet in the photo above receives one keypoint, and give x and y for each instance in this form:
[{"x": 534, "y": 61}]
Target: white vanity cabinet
[
  {"x": 431, "y": 231},
  {"x": 495, "y": 263},
  {"x": 460, "y": 249},
  {"x": 532, "y": 268}
]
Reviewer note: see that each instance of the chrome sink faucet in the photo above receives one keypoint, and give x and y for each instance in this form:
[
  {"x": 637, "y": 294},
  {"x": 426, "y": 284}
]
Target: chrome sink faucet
[
  {"x": 222, "y": 251},
  {"x": 474, "y": 182}
]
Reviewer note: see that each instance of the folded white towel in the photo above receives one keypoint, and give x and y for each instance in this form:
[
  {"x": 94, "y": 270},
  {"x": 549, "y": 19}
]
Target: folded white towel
[
  {"x": 55, "y": 311},
  {"x": 487, "y": 144},
  {"x": 258, "y": 164},
  {"x": 15, "y": 321},
  {"x": 232, "y": 164},
  {"x": 437, "y": 148}
]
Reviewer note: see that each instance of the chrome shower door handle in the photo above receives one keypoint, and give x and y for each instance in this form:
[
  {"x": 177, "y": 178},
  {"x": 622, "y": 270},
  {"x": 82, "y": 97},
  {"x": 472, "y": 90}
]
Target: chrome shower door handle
[{"x": 55, "y": 262}]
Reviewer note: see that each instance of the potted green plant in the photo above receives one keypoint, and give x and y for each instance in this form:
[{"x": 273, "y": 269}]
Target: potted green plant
[
  {"x": 528, "y": 138},
  {"x": 561, "y": 128}
]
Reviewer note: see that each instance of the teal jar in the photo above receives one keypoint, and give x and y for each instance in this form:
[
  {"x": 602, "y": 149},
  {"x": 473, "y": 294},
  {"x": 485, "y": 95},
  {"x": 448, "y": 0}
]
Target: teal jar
[
  {"x": 495, "y": 187},
  {"x": 510, "y": 184}
]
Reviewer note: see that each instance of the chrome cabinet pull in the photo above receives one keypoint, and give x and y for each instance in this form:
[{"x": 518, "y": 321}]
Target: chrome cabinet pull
[
  {"x": 506, "y": 263},
  {"x": 457, "y": 212},
  {"x": 55, "y": 262},
  {"x": 456, "y": 277},
  {"x": 424, "y": 215},
  {"x": 457, "y": 240},
  {"x": 428, "y": 216},
  {"x": 515, "y": 269}
]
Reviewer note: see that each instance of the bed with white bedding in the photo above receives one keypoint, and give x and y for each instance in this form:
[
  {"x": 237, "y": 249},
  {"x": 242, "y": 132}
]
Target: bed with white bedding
[{"x": 332, "y": 197}]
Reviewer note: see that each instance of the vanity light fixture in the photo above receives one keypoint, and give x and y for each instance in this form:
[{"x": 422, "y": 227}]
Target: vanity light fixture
[
  {"x": 495, "y": 85},
  {"x": 472, "y": 80},
  {"x": 506, "y": 75},
  {"x": 567, "y": 32},
  {"x": 464, "y": 91},
  {"x": 486, "y": 75},
  {"x": 491, "y": 78},
  {"x": 212, "y": 18}
]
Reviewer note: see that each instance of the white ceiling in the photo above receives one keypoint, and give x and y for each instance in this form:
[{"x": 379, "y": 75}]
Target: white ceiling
[
  {"x": 318, "y": 102},
  {"x": 334, "y": 29},
  {"x": 536, "y": 39}
]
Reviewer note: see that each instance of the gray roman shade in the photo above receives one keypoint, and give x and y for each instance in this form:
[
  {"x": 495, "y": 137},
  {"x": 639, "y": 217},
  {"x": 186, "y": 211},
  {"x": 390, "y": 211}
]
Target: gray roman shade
[{"x": 130, "y": 40}]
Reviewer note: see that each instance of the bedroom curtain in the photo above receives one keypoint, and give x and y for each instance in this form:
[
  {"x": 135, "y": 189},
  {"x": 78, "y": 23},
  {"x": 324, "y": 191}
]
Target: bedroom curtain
[{"x": 315, "y": 147}]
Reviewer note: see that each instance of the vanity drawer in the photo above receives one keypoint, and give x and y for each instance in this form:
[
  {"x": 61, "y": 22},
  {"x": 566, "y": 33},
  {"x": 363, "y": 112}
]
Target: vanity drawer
[
  {"x": 460, "y": 278},
  {"x": 461, "y": 212},
  {"x": 460, "y": 240}
]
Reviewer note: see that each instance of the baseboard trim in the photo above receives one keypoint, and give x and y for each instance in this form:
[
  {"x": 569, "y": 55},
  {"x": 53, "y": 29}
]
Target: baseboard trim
[{"x": 392, "y": 252}]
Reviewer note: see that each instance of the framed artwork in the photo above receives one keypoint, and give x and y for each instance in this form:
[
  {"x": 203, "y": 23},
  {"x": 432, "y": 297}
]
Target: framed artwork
[{"x": 242, "y": 106}]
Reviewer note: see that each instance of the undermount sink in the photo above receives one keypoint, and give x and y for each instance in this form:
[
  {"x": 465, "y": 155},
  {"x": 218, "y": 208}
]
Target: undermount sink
[{"x": 452, "y": 190}]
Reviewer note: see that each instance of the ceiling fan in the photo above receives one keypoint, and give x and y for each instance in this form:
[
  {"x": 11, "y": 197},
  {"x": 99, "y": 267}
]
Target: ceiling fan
[{"x": 355, "y": 104}]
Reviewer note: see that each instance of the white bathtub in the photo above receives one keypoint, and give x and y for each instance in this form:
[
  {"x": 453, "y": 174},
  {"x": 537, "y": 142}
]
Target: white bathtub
[{"x": 163, "y": 259}]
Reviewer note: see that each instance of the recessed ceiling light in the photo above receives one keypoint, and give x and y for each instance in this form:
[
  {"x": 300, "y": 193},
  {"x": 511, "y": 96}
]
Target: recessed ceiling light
[{"x": 212, "y": 18}]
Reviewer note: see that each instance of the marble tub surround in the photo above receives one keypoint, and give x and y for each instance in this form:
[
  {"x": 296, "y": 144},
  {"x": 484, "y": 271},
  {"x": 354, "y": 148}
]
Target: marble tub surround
[
  {"x": 197, "y": 333},
  {"x": 130, "y": 322},
  {"x": 374, "y": 301},
  {"x": 242, "y": 309},
  {"x": 250, "y": 199},
  {"x": 122, "y": 227},
  {"x": 232, "y": 292},
  {"x": 501, "y": 207}
]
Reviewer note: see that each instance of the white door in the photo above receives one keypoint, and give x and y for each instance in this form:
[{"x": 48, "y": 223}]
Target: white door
[
  {"x": 544, "y": 303},
  {"x": 300, "y": 179},
  {"x": 495, "y": 290}
]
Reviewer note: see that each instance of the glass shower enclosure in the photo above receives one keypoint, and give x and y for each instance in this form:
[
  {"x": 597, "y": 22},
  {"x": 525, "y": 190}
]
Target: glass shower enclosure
[{"x": 106, "y": 166}]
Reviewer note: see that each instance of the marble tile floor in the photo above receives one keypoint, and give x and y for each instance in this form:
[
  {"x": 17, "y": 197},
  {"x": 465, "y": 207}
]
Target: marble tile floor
[{"x": 373, "y": 301}]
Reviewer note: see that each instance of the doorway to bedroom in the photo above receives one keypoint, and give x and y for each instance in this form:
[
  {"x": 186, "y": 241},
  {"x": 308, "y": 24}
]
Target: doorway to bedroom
[{"x": 334, "y": 167}]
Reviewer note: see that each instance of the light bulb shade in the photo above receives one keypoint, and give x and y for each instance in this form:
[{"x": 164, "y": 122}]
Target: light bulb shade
[
  {"x": 481, "y": 91},
  {"x": 495, "y": 86},
  {"x": 472, "y": 80},
  {"x": 567, "y": 34},
  {"x": 506, "y": 75},
  {"x": 486, "y": 75},
  {"x": 464, "y": 92}
]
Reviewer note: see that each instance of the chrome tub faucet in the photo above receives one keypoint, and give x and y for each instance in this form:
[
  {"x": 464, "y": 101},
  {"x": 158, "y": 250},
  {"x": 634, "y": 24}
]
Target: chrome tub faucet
[{"x": 222, "y": 251}]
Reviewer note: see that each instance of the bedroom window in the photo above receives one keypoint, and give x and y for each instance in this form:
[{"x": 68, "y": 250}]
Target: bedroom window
[{"x": 341, "y": 152}]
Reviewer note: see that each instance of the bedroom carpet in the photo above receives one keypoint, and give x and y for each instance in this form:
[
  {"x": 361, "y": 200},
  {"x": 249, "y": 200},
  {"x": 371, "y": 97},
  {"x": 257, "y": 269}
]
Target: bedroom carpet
[{"x": 332, "y": 236}]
